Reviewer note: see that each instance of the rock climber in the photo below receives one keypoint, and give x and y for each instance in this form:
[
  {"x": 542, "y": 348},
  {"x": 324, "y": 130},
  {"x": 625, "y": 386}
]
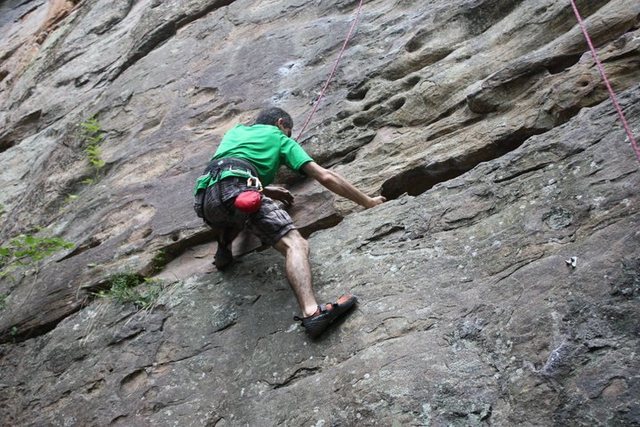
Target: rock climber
[{"x": 234, "y": 194}]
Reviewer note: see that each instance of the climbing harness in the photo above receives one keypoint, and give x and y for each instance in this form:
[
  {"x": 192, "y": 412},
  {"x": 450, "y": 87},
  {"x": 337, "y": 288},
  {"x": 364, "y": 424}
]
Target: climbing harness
[
  {"x": 220, "y": 169},
  {"x": 333, "y": 71},
  {"x": 612, "y": 94}
]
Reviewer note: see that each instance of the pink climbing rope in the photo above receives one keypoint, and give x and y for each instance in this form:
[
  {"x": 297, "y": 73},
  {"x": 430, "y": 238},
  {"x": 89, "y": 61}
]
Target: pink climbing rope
[
  {"x": 612, "y": 94},
  {"x": 333, "y": 71}
]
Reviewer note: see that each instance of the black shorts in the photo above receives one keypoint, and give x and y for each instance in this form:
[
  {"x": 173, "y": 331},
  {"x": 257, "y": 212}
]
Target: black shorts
[{"x": 269, "y": 224}]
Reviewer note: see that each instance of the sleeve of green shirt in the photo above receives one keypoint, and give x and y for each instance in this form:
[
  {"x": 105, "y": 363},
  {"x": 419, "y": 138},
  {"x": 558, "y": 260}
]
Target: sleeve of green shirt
[{"x": 293, "y": 155}]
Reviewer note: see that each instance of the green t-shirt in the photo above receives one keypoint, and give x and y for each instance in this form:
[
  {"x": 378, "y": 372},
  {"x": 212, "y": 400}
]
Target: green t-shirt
[{"x": 265, "y": 146}]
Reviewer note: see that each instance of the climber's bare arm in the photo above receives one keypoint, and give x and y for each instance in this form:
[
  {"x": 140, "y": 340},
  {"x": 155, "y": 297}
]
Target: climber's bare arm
[{"x": 337, "y": 184}]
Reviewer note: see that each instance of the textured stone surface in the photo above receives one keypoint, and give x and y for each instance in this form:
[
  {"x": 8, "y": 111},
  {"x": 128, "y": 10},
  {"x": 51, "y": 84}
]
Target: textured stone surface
[{"x": 485, "y": 122}]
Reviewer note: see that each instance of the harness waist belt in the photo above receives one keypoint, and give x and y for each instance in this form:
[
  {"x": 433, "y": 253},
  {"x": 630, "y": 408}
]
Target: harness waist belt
[
  {"x": 232, "y": 163},
  {"x": 223, "y": 168}
]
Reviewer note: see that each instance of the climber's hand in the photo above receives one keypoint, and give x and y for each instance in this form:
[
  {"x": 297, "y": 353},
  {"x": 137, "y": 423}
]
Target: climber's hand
[{"x": 279, "y": 193}]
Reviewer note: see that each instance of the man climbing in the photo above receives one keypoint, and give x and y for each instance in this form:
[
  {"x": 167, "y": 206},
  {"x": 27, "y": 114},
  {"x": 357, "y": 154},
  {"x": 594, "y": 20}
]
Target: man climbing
[{"x": 229, "y": 199}]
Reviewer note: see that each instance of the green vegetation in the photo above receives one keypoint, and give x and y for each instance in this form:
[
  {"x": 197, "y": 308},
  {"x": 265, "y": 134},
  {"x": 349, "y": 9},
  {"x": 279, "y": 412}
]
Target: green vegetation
[
  {"x": 70, "y": 198},
  {"x": 3, "y": 301},
  {"x": 1, "y": 209},
  {"x": 92, "y": 135},
  {"x": 27, "y": 250},
  {"x": 159, "y": 261},
  {"x": 125, "y": 288}
]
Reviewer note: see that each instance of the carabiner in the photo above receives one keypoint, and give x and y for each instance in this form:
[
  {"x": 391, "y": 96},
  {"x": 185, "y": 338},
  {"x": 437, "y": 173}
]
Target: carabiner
[{"x": 254, "y": 182}]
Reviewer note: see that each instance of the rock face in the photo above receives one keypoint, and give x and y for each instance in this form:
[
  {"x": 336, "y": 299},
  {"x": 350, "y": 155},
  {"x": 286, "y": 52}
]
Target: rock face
[{"x": 484, "y": 122}]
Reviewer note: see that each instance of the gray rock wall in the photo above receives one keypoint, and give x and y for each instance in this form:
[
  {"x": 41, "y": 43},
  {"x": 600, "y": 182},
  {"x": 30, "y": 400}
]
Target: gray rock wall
[{"x": 484, "y": 122}]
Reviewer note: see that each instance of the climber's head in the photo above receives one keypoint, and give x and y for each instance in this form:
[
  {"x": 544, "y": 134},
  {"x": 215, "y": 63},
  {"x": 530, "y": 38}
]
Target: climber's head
[{"x": 276, "y": 117}]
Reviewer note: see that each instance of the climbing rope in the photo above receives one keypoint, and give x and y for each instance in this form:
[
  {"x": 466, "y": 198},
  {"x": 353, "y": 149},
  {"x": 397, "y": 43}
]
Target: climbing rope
[
  {"x": 612, "y": 94},
  {"x": 333, "y": 71}
]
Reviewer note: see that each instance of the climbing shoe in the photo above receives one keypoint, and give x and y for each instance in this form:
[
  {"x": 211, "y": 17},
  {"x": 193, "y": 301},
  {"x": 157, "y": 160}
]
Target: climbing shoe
[
  {"x": 223, "y": 257},
  {"x": 326, "y": 314}
]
